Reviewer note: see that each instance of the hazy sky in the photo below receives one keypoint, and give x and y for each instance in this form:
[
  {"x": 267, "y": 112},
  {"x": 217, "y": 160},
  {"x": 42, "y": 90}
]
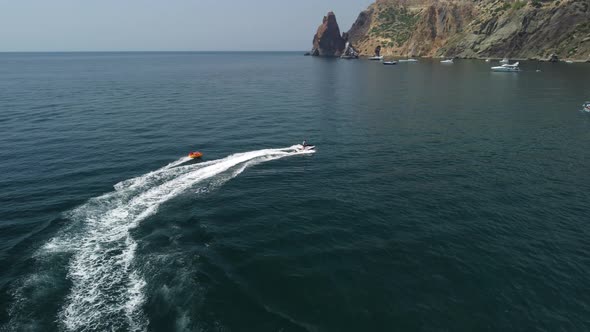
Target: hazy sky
[{"x": 162, "y": 25}]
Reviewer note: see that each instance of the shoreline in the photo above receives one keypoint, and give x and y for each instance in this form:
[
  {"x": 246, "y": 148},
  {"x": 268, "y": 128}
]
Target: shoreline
[{"x": 394, "y": 57}]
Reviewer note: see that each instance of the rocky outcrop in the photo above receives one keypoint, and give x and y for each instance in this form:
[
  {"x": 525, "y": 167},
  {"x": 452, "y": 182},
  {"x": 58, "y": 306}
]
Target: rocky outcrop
[
  {"x": 378, "y": 51},
  {"x": 349, "y": 52},
  {"x": 327, "y": 40},
  {"x": 475, "y": 28}
]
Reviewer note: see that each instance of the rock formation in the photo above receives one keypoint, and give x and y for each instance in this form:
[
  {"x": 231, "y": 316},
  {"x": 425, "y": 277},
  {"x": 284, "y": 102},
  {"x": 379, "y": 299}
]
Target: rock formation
[
  {"x": 349, "y": 51},
  {"x": 475, "y": 28},
  {"x": 327, "y": 40},
  {"x": 378, "y": 50}
]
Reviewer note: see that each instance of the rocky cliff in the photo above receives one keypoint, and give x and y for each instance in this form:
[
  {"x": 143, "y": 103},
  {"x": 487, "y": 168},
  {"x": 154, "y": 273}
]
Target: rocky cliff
[
  {"x": 475, "y": 28},
  {"x": 327, "y": 41}
]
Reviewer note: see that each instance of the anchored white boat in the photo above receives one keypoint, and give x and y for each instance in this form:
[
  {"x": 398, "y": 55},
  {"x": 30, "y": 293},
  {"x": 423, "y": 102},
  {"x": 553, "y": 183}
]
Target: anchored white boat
[
  {"x": 390, "y": 63},
  {"x": 507, "y": 67},
  {"x": 407, "y": 60},
  {"x": 375, "y": 58},
  {"x": 505, "y": 61},
  {"x": 487, "y": 60},
  {"x": 448, "y": 61}
]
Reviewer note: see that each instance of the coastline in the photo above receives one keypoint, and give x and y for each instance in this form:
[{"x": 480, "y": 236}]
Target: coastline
[{"x": 388, "y": 57}]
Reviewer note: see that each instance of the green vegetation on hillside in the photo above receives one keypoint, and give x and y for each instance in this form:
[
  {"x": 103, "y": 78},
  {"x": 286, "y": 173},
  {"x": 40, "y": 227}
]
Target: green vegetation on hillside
[
  {"x": 395, "y": 24},
  {"x": 516, "y": 5}
]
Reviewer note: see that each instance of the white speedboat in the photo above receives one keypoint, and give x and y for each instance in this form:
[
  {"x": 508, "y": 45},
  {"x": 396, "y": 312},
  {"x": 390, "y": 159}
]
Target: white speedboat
[
  {"x": 448, "y": 61},
  {"x": 390, "y": 63},
  {"x": 375, "y": 58},
  {"x": 487, "y": 60},
  {"x": 569, "y": 61},
  {"x": 305, "y": 147},
  {"x": 586, "y": 106},
  {"x": 507, "y": 67},
  {"x": 407, "y": 60},
  {"x": 505, "y": 61}
]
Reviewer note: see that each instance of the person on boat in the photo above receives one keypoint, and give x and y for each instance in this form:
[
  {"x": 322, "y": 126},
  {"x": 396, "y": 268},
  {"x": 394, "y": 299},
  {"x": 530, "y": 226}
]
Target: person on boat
[{"x": 304, "y": 144}]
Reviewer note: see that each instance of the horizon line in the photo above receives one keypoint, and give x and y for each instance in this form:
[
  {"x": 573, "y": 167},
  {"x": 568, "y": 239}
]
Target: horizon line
[{"x": 153, "y": 51}]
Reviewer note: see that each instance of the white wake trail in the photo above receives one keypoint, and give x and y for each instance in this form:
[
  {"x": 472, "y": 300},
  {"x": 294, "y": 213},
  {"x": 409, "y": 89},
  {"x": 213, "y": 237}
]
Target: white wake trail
[{"x": 107, "y": 292}]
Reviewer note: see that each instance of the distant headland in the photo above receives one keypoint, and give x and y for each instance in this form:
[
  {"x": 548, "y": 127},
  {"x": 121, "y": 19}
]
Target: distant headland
[{"x": 535, "y": 29}]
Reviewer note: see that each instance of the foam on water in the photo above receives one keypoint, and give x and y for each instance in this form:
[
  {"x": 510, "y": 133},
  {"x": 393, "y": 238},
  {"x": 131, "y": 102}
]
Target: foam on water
[{"x": 107, "y": 289}]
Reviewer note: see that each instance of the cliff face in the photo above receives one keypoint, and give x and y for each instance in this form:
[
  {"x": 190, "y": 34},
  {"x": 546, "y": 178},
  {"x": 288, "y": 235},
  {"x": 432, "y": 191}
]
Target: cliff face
[
  {"x": 327, "y": 40},
  {"x": 475, "y": 28}
]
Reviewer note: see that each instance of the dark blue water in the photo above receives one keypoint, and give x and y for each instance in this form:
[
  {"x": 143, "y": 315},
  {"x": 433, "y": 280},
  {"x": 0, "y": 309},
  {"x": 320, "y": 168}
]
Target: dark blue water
[{"x": 440, "y": 198}]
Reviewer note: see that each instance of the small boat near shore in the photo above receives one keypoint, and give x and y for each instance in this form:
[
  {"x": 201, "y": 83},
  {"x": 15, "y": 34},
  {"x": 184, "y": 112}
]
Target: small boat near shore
[
  {"x": 586, "y": 107},
  {"x": 505, "y": 61},
  {"x": 375, "y": 58},
  {"x": 407, "y": 60},
  {"x": 507, "y": 67},
  {"x": 447, "y": 62},
  {"x": 389, "y": 63}
]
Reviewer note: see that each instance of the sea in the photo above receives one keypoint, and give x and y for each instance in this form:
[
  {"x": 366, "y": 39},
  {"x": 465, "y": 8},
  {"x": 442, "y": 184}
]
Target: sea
[{"x": 438, "y": 197}]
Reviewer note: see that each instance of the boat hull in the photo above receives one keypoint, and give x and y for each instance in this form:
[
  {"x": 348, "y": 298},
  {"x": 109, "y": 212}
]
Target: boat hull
[
  {"x": 506, "y": 69},
  {"x": 305, "y": 148}
]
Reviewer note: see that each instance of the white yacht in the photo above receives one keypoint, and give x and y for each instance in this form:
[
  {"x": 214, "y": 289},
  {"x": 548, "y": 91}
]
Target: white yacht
[{"x": 507, "y": 67}]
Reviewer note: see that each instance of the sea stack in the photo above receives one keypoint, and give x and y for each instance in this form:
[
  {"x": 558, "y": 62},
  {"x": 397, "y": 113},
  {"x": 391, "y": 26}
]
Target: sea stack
[{"x": 328, "y": 41}]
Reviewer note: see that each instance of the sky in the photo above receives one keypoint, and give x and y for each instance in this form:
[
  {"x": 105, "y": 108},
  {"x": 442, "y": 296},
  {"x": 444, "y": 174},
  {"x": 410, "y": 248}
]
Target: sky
[{"x": 167, "y": 25}]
